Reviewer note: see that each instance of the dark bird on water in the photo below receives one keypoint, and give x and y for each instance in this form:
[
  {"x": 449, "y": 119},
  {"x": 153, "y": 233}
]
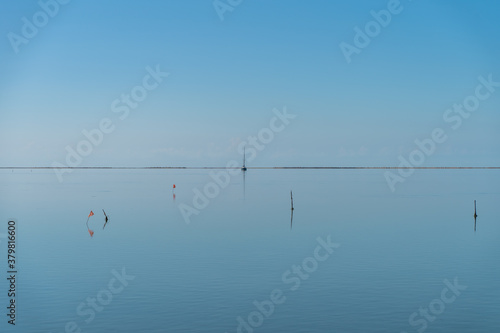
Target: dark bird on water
[{"x": 105, "y": 219}]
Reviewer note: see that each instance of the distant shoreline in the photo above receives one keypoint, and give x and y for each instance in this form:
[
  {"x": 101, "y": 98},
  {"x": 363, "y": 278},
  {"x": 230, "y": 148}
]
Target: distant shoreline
[{"x": 250, "y": 168}]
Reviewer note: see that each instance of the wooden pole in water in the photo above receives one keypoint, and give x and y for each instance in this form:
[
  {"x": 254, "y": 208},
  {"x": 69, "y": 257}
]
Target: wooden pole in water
[{"x": 475, "y": 215}]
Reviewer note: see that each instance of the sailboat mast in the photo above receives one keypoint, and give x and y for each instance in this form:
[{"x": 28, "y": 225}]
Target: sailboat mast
[{"x": 244, "y": 168}]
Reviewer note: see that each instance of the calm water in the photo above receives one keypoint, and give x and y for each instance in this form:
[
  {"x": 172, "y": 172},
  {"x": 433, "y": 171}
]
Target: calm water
[{"x": 394, "y": 252}]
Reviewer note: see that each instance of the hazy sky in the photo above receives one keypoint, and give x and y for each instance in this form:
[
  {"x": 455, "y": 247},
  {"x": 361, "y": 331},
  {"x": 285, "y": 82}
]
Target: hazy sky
[{"x": 227, "y": 76}]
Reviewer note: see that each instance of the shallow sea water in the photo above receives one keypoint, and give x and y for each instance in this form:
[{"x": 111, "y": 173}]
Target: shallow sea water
[{"x": 392, "y": 254}]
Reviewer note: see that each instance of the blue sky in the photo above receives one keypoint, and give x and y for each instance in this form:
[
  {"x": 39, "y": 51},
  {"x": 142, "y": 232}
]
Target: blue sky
[{"x": 227, "y": 76}]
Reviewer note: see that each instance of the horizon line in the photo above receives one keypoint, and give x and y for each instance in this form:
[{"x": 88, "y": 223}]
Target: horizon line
[{"x": 251, "y": 168}]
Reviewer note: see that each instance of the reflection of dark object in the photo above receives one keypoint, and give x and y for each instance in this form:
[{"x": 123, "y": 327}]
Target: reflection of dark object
[
  {"x": 105, "y": 219},
  {"x": 244, "y": 185},
  {"x": 292, "y": 209},
  {"x": 475, "y": 215}
]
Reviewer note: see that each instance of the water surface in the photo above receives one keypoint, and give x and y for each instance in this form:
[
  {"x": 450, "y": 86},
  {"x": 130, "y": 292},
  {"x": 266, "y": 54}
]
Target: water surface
[{"x": 395, "y": 251}]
